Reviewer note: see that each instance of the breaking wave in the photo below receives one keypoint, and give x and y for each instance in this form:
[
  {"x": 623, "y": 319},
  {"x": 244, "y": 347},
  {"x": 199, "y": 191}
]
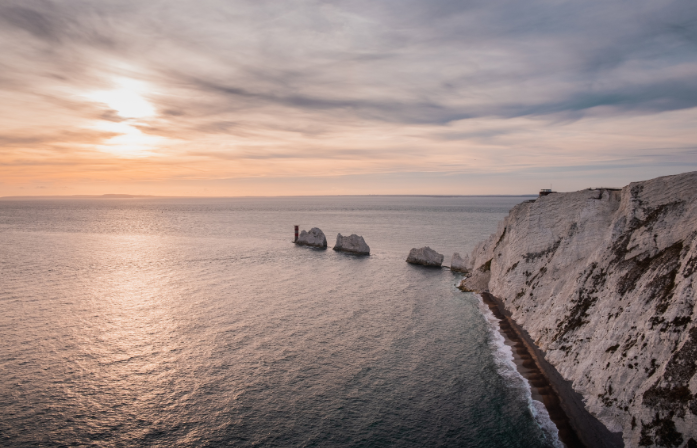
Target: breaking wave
[{"x": 503, "y": 357}]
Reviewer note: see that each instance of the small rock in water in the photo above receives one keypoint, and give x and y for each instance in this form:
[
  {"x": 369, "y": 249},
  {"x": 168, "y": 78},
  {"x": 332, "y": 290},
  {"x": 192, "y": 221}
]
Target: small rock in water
[
  {"x": 314, "y": 238},
  {"x": 458, "y": 263},
  {"x": 425, "y": 256},
  {"x": 354, "y": 244}
]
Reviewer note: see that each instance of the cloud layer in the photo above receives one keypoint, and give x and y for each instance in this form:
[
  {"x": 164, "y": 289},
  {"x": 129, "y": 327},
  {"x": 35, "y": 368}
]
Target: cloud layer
[{"x": 300, "y": 89}]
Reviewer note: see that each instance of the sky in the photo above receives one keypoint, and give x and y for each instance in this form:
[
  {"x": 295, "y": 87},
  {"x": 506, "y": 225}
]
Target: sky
[{"x": 307, "y": 97}]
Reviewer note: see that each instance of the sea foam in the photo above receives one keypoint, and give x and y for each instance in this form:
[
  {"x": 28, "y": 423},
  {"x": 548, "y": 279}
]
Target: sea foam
[{"x": 503, "y": 357}]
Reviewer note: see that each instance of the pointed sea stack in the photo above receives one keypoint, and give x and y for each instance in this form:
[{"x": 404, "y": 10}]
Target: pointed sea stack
[
  {"x": 314, "y": 238},
  {"x": 353, "y": 244},
  {"x": 425, "y": 256},
  {"x": 459, "y": 264}
]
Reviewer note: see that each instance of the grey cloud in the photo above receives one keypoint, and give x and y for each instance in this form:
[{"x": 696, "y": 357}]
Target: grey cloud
[
  {"x": 482, "y": 135},
  {"x": 387, "y": 110},
  {"x": 29, "y": 20},
  {"x": 648, "y": 97},
  {"x": 52, "y": 140},
  {"x": 61, "y": 24},
  {"x": 412, "y": 61},
  {"x": 663, "y": 95},
  {"x": 257, "y": 153}
]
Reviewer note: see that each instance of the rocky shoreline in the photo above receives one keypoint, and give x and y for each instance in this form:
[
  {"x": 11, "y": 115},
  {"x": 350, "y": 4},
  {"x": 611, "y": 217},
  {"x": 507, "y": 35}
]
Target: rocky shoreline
[{"x": 576, "y": 426}]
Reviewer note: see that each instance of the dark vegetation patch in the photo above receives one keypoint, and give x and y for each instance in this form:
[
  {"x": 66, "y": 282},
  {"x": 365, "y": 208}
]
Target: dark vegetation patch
[
  {"x": 612, "y": 348},
  {"x": 583, "y": 276},
  {"x": 677, "y": 325},
  {"x": 598, "y": 279},
  {"x": 532, "y": 256},
  {"x": 655, "y": 321},
  {"x": 577, "y": 317},
  {"x": 671, "y": 392},
  {"x": 627, "y": 345},
  {"x": 573, "y": 230},
  {"x": 606, "y": 397},
  {"x": 662, "y": 270},
  {"x": 652, "y": 368},
  {"x": 691, "y": 443},
  {"x": 620, "y": 249},
  {"x": 565, "y": 348},
  {"x": 635, "y": 192},
  {"x": 660, "y": 432},
  {"x": 595, "y": 278},
  {"x": 540, "y": 273},
  {"x": 619, "y": 311},
  {"x": 503, "y": 234},
  {"x": 663, "y": 283},
  {"x": 679, "y": 397},
  {"x": 486, "y": 267},
  {"x": 681, "y": 321},
  {"x": 658, "y": 214},
  {"x": 689, "y": 267},
  {"x": 515, "y": 265},
  {"x": 668, "y": 258}
]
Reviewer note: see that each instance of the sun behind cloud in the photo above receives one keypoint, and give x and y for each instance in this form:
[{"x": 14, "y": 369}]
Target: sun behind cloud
[{"x": 126, "y": 100}]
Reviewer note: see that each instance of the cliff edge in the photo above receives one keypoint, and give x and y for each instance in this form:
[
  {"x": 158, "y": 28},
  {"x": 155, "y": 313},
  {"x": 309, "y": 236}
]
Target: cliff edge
[{"x": 604, "y": 283}]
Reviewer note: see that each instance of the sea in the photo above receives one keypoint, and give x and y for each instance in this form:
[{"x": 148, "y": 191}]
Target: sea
[{"x": 177, "y": 322}]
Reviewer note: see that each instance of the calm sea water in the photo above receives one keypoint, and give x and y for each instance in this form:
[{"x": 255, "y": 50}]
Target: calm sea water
[{"x": 196, "y": 322}]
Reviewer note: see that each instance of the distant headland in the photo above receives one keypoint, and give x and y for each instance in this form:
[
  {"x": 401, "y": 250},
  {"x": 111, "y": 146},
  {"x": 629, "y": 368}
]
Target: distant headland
[{"x": 85, "y": 196}]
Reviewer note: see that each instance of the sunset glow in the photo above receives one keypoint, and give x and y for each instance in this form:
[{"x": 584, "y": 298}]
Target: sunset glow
[
  {"x": 126, "y": 100},
  {"x": 239, "y": 99}
]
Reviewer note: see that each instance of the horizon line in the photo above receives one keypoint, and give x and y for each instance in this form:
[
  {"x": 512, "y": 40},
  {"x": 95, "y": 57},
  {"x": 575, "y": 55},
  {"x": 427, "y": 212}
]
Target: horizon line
[{"x": 144, "y": 196}]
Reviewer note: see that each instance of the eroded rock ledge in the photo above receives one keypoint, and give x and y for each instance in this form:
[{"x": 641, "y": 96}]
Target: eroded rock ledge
[{"x": 604, "y": 283}]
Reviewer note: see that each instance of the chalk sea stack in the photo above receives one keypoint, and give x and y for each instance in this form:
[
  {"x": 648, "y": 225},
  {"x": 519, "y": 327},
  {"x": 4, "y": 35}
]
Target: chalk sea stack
[
  {"x": 603, "y": 281},
  {"x": 425, "y": 256},
  {"x": 314, "y": 238},
  {"x": 352, "y": 244},
  {"x": 459, "y": 264}
]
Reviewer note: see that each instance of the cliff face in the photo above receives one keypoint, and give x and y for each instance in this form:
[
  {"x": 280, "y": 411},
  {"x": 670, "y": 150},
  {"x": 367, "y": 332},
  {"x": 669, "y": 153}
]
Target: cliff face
[{"x": 604, "y": 282}]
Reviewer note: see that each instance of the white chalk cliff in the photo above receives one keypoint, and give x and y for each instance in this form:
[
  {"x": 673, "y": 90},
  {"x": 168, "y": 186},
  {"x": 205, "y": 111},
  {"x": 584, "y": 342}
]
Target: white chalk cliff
[
  {"x": 354, "y": 244},
  {"x": 604, "y": 282},
  {"x": 315, "y": 238}
]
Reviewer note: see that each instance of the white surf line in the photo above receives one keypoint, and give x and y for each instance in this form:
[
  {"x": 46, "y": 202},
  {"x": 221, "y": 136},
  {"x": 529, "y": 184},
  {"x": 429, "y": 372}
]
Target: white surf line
[{"x": 503, "y": 357}]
